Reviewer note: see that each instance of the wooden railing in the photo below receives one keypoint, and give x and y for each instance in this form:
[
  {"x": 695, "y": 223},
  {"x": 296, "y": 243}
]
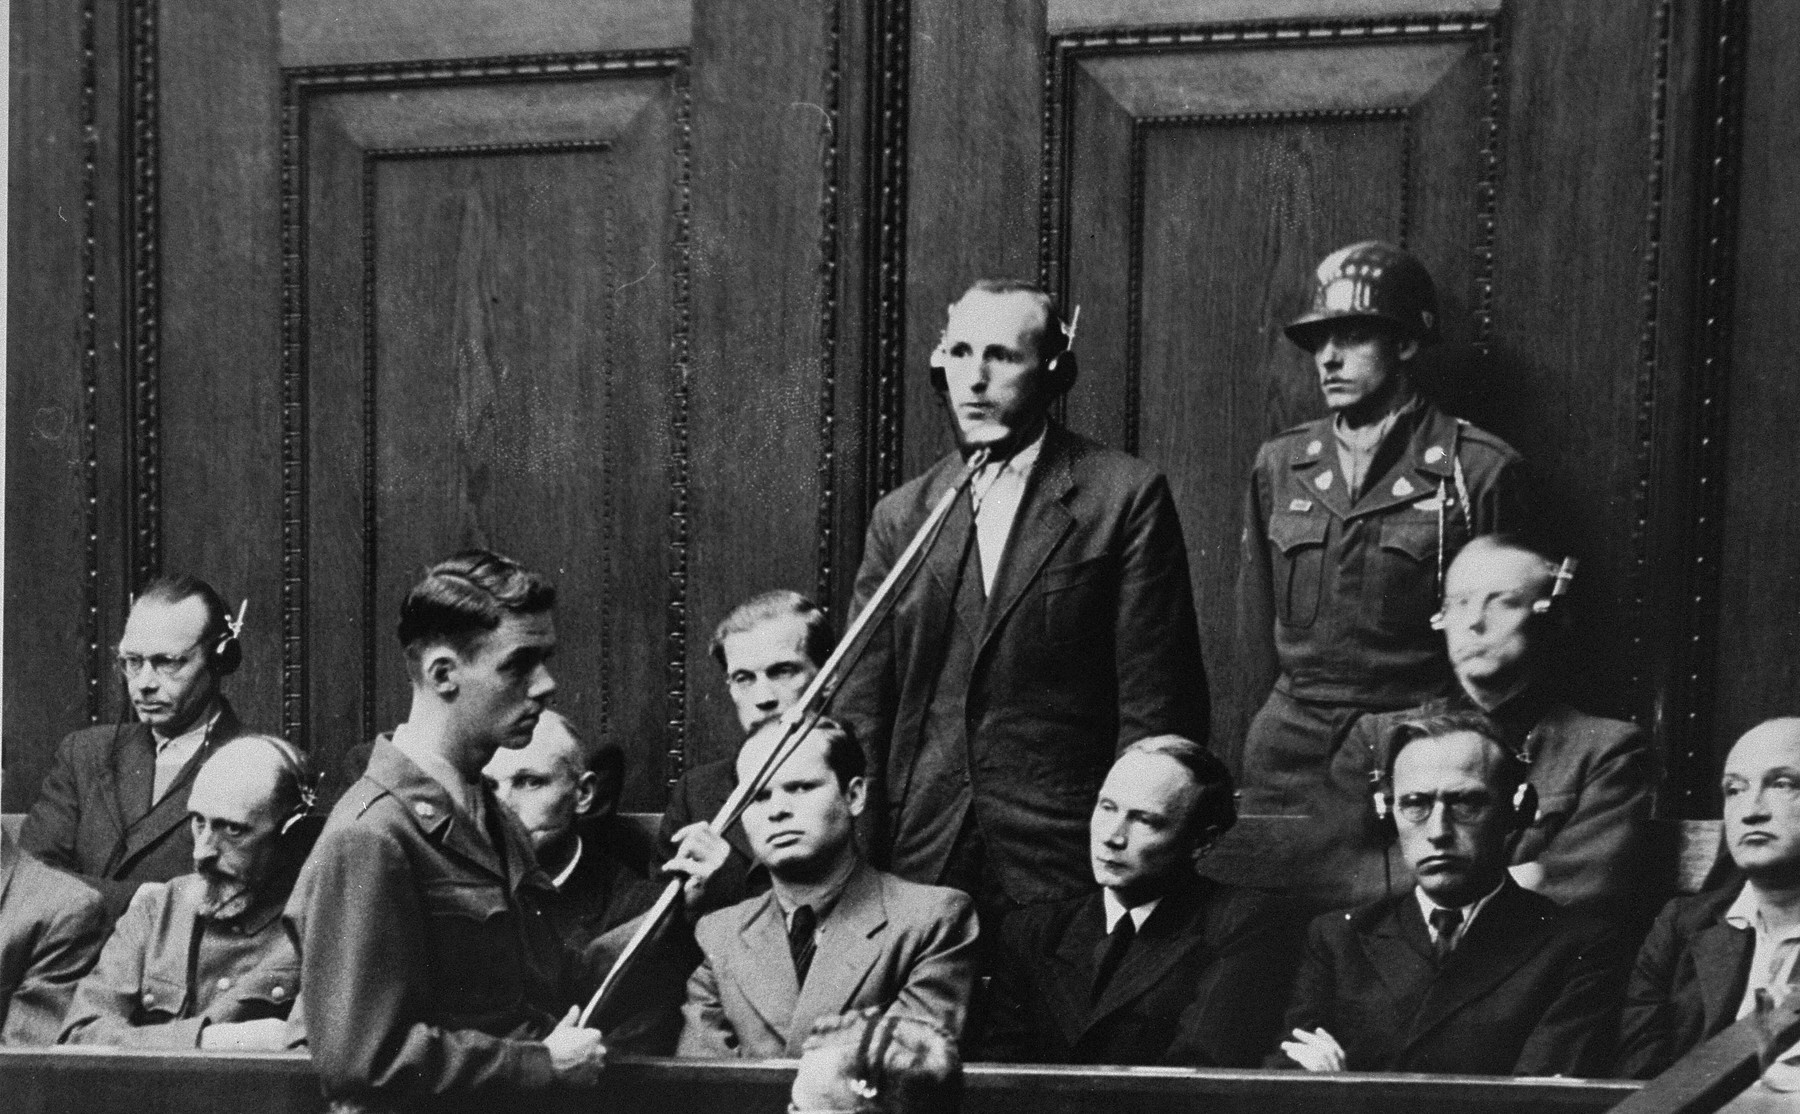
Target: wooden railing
[{"x": 42, "y": 1081}]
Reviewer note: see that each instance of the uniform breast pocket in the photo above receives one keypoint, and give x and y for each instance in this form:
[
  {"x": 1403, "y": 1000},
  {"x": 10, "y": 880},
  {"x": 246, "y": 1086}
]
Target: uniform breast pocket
[
  {"x": 1076, "y": 598},
  {"x": 267, "y": 992},
  {"x": 1406, "y": 576},
  {"x": 472, "y": 962},
  {"x": 160, "y": 1000},
  {"x": 1298, "y": 544}
]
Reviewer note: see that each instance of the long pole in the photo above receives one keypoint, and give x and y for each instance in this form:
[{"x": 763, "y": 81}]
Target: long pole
[{"x": 798, "y": 720}]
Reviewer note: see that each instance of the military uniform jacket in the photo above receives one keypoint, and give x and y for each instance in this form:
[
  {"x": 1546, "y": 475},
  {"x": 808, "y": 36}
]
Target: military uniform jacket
[
  {"x": 887, "y": 943},
  {"x": 426, "y": 962},
  {"x": 1594, "y": 779},
  {"x": 1687, "y": 984},
  {"x": 94, "y": 816},
  {"x": 143, "y": 992},
  {"x": 51, "y": 929},
  {"x": 1530, "y": 990},
  {"x": 1347, "y": 581},
  {"x": 1202, "y": 985},
  {"x": 1087, "y": 643}
]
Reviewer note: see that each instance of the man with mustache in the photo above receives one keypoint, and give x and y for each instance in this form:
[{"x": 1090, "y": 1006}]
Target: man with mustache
[
  {"x": 427, "y": 964},
  {"x": 770, "y": 648},
  {"x": 1708, "y": 956},
  {"x": 833, "y": 934},
  {"x": 1349, "y": 522},
  {"x": 1052, "y": 624},
  {"x": 113, "y": 809},
  {"x": 1465, "y": 972},
  {"x": 203, "y": 961}
]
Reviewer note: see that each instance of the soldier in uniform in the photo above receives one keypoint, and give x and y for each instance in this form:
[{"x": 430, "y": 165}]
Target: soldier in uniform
[{"x": 1350, "y": 522}]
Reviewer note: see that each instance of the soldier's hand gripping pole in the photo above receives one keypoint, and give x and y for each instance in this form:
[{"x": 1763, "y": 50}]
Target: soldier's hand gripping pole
[{"x": 799, "y": 719}]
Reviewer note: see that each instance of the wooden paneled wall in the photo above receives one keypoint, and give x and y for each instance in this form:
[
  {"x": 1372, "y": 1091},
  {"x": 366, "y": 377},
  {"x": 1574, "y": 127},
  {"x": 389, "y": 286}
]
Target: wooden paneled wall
[{"x": 307, "y": 292}]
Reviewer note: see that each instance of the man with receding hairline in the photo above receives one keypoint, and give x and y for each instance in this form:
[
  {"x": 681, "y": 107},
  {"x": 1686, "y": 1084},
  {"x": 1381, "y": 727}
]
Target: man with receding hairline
[
  {"x": 1052, "y": 623},
  {"x": 1709, "y": 956},
  {"x": 203, "y": 961},
  {"x": 427, "y": 965},
  {"x": 113, "y": 809}
]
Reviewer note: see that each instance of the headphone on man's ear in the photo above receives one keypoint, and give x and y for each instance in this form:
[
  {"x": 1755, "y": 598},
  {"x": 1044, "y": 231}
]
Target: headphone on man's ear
[
  {"x": 1560, "y": 579},
  {"x": 1387, "y": 827},
  {"x": 1062, "y": 369},
  {"x": 228, "y": 652},
  {"x": 294, "y": 769}
]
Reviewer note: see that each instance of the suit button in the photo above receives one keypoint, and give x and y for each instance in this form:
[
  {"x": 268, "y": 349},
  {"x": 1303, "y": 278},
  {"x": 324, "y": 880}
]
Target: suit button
[{"x": 224, "y": 984}]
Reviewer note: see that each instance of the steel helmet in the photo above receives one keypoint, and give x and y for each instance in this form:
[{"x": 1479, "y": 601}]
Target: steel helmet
[{"x": 1371, "y": 279}]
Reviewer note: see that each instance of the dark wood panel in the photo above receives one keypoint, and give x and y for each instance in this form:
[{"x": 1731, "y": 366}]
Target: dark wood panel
[
  {"x": 489, "y": 356},
  {"x": 216, "y": 198},
  {"x": 343, "y": 32},
  {"x": 1758, "y": 664},
  {"x": 1203, "y": 183},
  {"x": 40, "y": 1081},
  {"x": 766, "y": 241},
  {"x": 67, "y": 551},
  {"x": 975, "y": 135}
]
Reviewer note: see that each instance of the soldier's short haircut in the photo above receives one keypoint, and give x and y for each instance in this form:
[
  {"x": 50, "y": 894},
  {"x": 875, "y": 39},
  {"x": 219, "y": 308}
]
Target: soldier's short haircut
[{"x": 466, "y": 596}]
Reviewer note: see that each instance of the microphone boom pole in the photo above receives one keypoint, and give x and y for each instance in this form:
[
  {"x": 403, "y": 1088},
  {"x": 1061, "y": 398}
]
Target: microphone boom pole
[{"x": 798, "y": 720}]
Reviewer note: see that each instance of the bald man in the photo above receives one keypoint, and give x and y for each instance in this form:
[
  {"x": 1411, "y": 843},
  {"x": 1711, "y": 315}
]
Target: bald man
[
  {"x": 564, "y": 794},
  {"x": 202, "y": 961},
  {"x": 1588, "y": 847},
  {"x": 1708, "y": 955}
]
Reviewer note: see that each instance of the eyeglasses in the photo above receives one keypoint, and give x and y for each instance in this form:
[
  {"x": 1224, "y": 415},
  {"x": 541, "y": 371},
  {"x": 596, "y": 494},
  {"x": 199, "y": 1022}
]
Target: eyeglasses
[
  {"x": 1464, "y": 808},
  {"x": 167, "y": 666}
]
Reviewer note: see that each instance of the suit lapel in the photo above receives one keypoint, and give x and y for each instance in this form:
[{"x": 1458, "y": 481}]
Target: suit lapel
[
  {"x": 1721, "y": 962},
  {"x": 943, "y": 564},
  {"x": 1159, "y": 946},
  {"x": 765, "y": 975},
  {"x": 850, "y": 941},
  {"x": 1398, "y": 950},
  {"x": 1042, "y": 523},
  {"x": 1071, "y": 981},
  {"x": 1504, "y": 937},
  {"x": 158, "y": 819}
]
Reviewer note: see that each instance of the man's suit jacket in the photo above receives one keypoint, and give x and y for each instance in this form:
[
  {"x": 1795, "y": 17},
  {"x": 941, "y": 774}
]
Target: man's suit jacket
[
  {"x": 1088, "y": 642},
  {"x": 887, "y": 942},
  {"x": 1530, "y": 990},
  {"x": 1687, "y": 984},
  {"x": 699, "y": 794},
  {"x": 1594, "y": 779},
  {"x": 1203, "y": 984},
  {"x": 51, "y": 929},
  {"x": 94, "y": 816}
]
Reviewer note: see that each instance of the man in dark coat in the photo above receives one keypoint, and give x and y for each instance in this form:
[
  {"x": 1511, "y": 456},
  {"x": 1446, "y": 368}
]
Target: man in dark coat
[
  {"x": 1052, "y": 624},
  {"x": 1708, "y": 955},
  {"x": 1465, "y": 972},
  {"x": 51, "y": 930},
  {"x": 1158, "y": 966},
  {"x": 113, "y": 808},
  {"x": 1594, "y": 777}
]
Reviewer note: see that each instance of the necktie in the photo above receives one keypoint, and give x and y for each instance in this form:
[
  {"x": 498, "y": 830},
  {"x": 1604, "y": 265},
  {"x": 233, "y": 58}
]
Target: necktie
[
  {"x": 1118, "y": 942},
  {"x": 801, "y": 942},
  {"x": 1445, "y": 923}
]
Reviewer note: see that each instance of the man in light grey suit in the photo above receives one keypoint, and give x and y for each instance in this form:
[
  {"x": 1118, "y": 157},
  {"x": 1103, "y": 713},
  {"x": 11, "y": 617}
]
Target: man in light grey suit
[{"x": 833, "y": 933}]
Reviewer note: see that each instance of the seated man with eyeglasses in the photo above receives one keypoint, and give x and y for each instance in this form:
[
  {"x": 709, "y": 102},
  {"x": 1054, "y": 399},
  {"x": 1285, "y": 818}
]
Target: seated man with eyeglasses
[
  {"x": 114, "y": 807},
  {"x": 1465, "y": 972},
  {"x": 1502, "y": 619}
]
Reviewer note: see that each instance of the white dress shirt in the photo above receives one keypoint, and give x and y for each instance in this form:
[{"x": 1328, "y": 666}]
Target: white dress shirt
[
  {"x": 1469, "y": 913},
  {"x": 998, "y": 490},
  {"x": 1772, "y": 963},
  {"x": 1116, "y": 909},
  {"x": 172, "y": 754}
]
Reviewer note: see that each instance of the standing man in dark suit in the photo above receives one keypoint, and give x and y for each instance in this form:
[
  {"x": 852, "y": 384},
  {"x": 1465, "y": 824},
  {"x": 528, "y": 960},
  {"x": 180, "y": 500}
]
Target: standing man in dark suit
[
  {"x": 770, "y": 647},
  {"x": 113, "y": 808},
  {"x": 1158, "y": 966},
  {"x": 1707, "y": 956},
  {"x": 1349, "y": 523},
  {"x": 1465, "y": 972},
  {"x": 51, "y": 929},
  {"x": 1594, "y": 777},
  {"x": 1052, "y": 624}
]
